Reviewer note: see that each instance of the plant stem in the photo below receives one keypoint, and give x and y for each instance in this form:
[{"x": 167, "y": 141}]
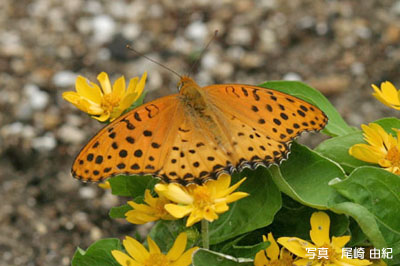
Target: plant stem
[{"x": 204, "y": 234}]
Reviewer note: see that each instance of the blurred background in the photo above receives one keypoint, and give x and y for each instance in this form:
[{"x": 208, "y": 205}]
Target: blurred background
[{"x": 338, "y": 47}]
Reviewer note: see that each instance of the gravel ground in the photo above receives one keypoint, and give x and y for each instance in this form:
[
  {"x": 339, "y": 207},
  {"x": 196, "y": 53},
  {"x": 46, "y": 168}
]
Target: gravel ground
[{"x": 339, "y": 47}]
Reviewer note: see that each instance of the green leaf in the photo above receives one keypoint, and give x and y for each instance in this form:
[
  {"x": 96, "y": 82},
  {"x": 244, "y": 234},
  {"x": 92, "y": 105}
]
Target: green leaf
[
  {"x": 365, "y": 220},
  {"x": 132, "y": 186},
  {"x": 337, "y": 149},
  {"x": 249, "y": 251},
  {"x": 165, "y": 232},
  {"x": 204, "y": 257},
  {"x": 98, "y": 254},
  {"x": 119, "y": 212},
  {"x": 378, "y": 191},
  {"x": 250, "y": 213},
  {"x": 336, "y": 125},
  {"x": 293, "y": 219},
  {"x": 118, "y": 185},
  {"x": 305, "y": 177}
]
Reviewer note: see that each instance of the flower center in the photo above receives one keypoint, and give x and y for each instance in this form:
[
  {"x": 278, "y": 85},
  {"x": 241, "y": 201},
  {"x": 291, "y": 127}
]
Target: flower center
[
  {"x": 157, "y": 259},
  {"x": 202, "y": 197},
  {"x": 160, "y": 208},
  {"x": 109, "y": 101},
  {"x": 393, "y": 156}
]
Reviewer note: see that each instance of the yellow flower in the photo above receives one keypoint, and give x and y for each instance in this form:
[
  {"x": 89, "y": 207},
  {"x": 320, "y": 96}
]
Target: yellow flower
[
  {"x": 140, "y": 256},
  {"x": 383, "y": 148},
  {"x": 272, "y": 255},
  {"x": 152, "y": 211},
  {"x": 105, "y": 103},
  {"x": 323, "y": 251},
  {"x": 387, "y": 94},
  {"x": 105, "y": 185},
  {"x": 201, "y": 202}
]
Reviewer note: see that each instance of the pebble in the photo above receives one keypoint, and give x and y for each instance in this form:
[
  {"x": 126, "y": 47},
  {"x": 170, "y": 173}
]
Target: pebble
[
  {"x": 87, "y": 192},
  {"x": 103, "y": 28},
  {"x": 239, "y": 35},
  {"x": 44, "y": 143},
  {"x": 71, "y": 134},
  {"x": 64, "y": 78},
  {"x": 292, "y": 76},
  {"x": 331, "y": 85},
  {"x": 196, "y": 31},
  {"x": 37, "y": 98}
]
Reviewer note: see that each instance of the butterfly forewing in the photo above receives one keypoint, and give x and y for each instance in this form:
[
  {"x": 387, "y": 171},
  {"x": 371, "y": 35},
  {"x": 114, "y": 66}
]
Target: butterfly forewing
[
  {"x": 132, "y": 144},
  {"x": 279, "y": 116}
]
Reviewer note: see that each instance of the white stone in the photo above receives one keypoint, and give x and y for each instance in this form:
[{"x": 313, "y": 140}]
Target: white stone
[
  {"x": 37, "y": 98},
  {"x": 44, "y": 143},
  {"x": 64, "y": 78},
  {"x": 103, "y": 28},
  {"x": 292, "y": 76},
  {"x": 197, "y": 30},
  {"x": 71, "y": 134},
  {"x": 87, "y": 192}
]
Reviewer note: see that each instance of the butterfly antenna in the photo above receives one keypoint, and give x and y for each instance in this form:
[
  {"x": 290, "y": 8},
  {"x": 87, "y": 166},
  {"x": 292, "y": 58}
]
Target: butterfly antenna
[
  {"x": 154, "y": 61},
  {"x": 202, "y": 52}
]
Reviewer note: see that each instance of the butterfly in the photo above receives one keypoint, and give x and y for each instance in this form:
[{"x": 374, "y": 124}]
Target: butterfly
[{"x": 198, "y": 134}]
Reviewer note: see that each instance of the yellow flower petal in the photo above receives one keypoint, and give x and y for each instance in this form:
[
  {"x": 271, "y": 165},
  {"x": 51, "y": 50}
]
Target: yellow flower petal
[
  {"x": 178, "y": 248},
  {"x": 186, "y": 258},
  {"x": 104, "y": 82},
  {"x": 105, "y": 185},
  {"x": 132, "y": 85},
  {"x": 103, "y": 117},
  {"x": 177, "y": 210},
  {"x": 260, "y": 259},
  {"x": 124, "y": 259},
  {"x": 194, "y": 217},
  {"x": 296, "y": 245},
  {"x": 91, "y": 92},
  {"x": 175, "y": 193},
  {"x": 234, "y": 187},
  {"x": 135, "y": 249},
  {"x": 140, "y": 86},
  {"x": 365, "y": 153},
  {"x": 153, "y": 248},
  {"x": 389, "y": 90},
  {"x": 339, "y": 242},
  {"x": 387, "y": 94},
  {"x": 118, "y": 89},
  {"x": 302, "y": 262},
  {"x": 236, "y": 196},
  {"x": 319, "y": 233},
  {"x": 273, "y": 248}
]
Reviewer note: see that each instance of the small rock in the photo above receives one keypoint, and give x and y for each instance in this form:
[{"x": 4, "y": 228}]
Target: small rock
[
  {"x": 71, "y": 134},
  {"x": 330, "y": 85},
  {"x": 209, "y": 60},
  {"x": 357, "y": 68},
  {"x": 64, "y": 78},
  {"x": 196, "y": 31},
  {"x": 44, "y": 143},
  {"x": 240, "y": 36},
  {"x": 103, "y": 28},
  {"x": 37, "y": 98},
  {"x": 87, "y": 192},
  {"x": 292, "y": 76}
]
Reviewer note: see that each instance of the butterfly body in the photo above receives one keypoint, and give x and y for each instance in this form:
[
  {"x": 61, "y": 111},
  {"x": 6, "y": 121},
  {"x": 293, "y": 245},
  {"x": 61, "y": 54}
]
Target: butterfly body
[{"x": 198, "y": 134}]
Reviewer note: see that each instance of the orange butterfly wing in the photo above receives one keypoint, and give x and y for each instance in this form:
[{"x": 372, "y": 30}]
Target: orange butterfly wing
[
  {"x": 239, "y": 126},
  {"x": 278, "y": 115},
  {"x": 132, "y": 144}
]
